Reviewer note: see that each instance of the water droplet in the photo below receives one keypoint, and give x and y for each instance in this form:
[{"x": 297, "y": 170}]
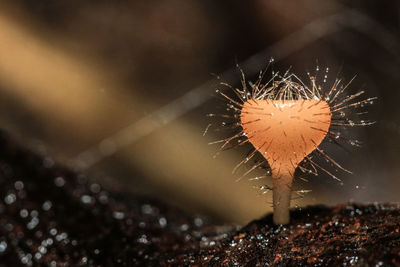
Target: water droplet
[
  {"x": 47, "y": 205},
  {"x": 198, "y": 222},
  {"x": 163, "y": 222},
  {"x": 143, "y": 239},
  {"x": 33, "y": 223},
  {"x": 184, "y": 227},
  {"x": 147, "y": 209},
  {"x": 118, "y": 215},
  {"x": 34, "y": 213},
  {"x": 25, "y": 259},
  {"x": 3, "y": 246},
  {"x": 95, "y": 188},
  {"x": 84, "y": 260},
  {"x": 23, "y": 213},
  {"x": 10, "y": 198},
  {"x": 42, "y": 249},
  {"x": 61, "y": 236},
  {"x": 86, "y": 199},
  {"x": 19, "y": 185},
  {"x": 53, "y": 231},
  {"x": 59, "y": 181},
  {"x": 103, "y": 198},
  {"x": 50, "y": 241}
]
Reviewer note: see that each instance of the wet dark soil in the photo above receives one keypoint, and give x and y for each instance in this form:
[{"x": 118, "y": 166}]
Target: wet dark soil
[{"x": 51, "y": 216}]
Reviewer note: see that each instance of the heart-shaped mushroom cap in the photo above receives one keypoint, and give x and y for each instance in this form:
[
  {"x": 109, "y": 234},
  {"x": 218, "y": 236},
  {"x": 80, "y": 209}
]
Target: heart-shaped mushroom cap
[{"x": 285, "y": 131}]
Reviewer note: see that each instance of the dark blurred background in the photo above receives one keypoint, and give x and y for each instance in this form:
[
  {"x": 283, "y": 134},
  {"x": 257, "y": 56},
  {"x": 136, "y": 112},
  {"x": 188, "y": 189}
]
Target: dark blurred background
[{"x": 120, "y": 89}]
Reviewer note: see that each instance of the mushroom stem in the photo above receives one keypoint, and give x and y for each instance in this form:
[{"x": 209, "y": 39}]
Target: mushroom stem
[{"x": 282, "y": 192}]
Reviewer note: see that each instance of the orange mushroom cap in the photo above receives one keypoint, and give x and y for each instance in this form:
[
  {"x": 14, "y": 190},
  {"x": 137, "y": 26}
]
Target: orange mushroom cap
[{"x": 285, "y": 131}]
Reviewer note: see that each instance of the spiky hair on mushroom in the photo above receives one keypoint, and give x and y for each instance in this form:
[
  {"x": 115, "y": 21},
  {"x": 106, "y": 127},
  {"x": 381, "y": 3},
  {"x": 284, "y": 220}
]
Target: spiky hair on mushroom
[{"x": 285, "y": 121}]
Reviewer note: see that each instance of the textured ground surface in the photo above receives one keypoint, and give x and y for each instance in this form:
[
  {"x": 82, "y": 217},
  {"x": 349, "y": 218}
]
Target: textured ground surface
[{"x": 50, "y": 216}]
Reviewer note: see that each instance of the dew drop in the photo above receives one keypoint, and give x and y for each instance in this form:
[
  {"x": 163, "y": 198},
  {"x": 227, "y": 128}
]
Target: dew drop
[
  {"x": 23, "y": 213},
  {"x": 3, "y": 246},
  {"x": 184, "y": 227},
  {"x": 32, "y": 223},
  {"x": 86, "y": 199},
  {"x": 53, "y": 231},
  {"x": 47, "y": 205},
  {"x": 163, "y": 222},
  {"x": 10, "y": 198},
  {"x": 198, "y": 222},
  {"x": 118, "y": 215},
  {"x": 19, "y": 185},
  {"x": 61, "y": 236},
  {"x": 95, "y": 188},
  {"x": 143, "y": 239},
  {"x": 147, "y": 209},
  {"x": 59, "y": 181},
  {"x": 103, "y": 198},
  {"x": 42, "y": 249}
]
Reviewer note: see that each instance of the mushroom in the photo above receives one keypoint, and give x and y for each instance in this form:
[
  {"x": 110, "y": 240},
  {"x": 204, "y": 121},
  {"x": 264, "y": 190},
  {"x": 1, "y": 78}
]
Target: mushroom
[{"x": 285, "y": 121}]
